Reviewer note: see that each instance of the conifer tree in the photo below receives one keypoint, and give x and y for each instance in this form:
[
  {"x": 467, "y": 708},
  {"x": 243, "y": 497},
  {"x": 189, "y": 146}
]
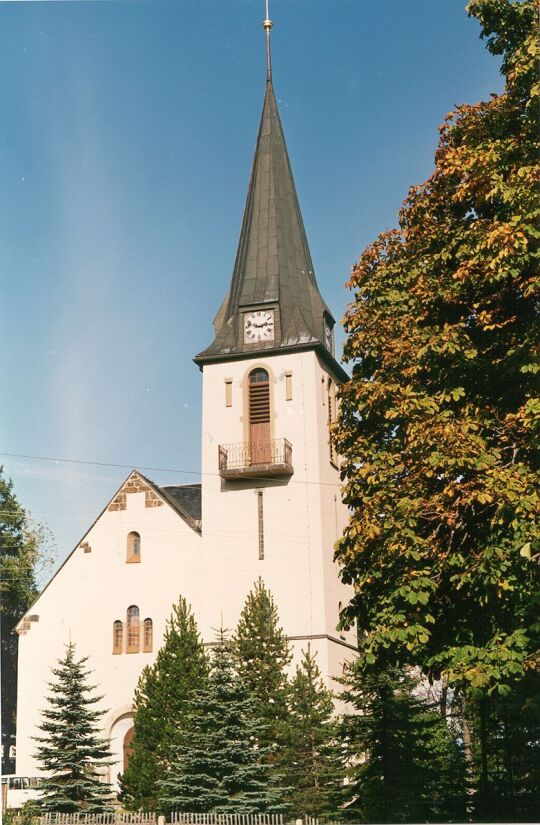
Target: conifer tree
[
  {"x": 220, "y": 766},
  {"x": 312, "y": 759},
  {"x": 404, "y": 763},
  {"x": 160, "y": 706},
  {"x": 262, "y": 654},
  {"x": 71, "y": 750}
]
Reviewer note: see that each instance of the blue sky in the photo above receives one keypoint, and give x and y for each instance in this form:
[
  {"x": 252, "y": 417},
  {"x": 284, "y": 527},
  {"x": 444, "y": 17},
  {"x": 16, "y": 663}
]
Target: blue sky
[{"x": 127, "y": 133}]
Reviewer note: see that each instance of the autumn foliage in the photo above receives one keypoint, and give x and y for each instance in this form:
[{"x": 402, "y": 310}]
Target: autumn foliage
[{"x": 437, "y": 425}]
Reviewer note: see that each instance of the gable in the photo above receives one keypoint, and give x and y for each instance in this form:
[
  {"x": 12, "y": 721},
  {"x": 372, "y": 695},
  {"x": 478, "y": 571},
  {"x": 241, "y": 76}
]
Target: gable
[{"x": 183, "y": 500}]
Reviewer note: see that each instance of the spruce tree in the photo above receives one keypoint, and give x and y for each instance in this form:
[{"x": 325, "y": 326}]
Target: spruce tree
[
  {"x": 262, "y": 655},
  {"x": 71, "y": 750},
  {"x": 220, "y": 765},
  {"x": 312, "y": 758},
  {"x": 160, "y": 707},
  {"x": 404, "y": 763}
]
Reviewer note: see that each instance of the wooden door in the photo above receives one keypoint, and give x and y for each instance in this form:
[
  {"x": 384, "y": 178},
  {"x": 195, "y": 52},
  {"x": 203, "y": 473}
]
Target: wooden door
[
  {"x": 128, "y": 738},
  {"x": 260, "y": 448}
]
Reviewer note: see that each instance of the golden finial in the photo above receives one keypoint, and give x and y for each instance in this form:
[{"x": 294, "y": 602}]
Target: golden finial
[{"x": 267, "y": 25}]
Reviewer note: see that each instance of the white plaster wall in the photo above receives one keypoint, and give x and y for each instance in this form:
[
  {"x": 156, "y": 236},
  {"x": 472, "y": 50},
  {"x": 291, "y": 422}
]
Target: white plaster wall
[
  {"x": 94, "y": 589},
  {"x": 302, "y": 515}
]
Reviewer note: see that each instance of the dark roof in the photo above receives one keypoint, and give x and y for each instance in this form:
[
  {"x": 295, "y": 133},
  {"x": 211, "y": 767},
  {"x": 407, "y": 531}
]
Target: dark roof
[
  {"x": 185, "y": 499},
  {"x": 273, "y": 262}
]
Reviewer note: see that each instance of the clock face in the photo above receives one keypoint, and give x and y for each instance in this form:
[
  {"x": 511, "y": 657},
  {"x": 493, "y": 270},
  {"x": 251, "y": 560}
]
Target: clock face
[{"x": 259, "y": 326}]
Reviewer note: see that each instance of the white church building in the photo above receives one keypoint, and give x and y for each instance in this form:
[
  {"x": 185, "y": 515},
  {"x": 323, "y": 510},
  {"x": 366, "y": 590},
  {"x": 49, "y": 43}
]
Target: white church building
[{"x": 269, "y": 504}]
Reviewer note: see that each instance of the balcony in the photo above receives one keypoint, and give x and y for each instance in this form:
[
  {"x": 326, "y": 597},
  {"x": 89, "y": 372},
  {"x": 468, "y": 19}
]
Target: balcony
[{"x": 266, "y": 459}]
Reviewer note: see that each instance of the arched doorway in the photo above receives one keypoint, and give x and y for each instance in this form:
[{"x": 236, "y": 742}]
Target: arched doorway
[
  {"x": 259, "y": 416},
  {"x": 128, "y": 738}
]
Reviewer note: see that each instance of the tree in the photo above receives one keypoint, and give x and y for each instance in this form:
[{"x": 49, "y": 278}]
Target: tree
[
  {"x": 261, "y": 652},
  {"x": 313, "y": 765},
  {"x": 220, "y": 765},
  {"x": 20, "y": 545},
  {"x": 506, "y": 754},
  {"x": 71, "y": 750},
  {"x": 404, "y": 763},
  {"x": 436, "y": 427},
  {"x": 160, "y": 706}
]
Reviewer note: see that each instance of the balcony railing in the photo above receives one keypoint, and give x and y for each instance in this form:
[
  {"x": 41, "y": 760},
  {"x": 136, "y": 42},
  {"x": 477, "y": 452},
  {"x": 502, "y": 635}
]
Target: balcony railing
[{"x": 262, "y": 459}]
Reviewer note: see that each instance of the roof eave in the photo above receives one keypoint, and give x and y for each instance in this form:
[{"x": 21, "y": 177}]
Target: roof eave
[{"x": 203, "y": 358}]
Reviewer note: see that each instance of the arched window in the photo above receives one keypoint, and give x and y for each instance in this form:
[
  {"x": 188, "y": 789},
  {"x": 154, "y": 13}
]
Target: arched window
[
  {"x": 258, "y": 376},
  {"x": 259, "y": 416},
  {"x": 148, "y": 632},
  {"x": 133, "y": 552},
  {"x": 118, "y": 637},
  {"x": 133, "y": 629}
]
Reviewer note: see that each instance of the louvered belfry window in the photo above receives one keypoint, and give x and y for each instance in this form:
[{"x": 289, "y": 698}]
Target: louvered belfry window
[
  {"x": 259, "y": 397},
  {"x": 259, "y": 416}
]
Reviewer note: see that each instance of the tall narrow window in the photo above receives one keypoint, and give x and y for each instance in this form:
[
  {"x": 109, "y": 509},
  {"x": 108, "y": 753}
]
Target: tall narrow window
[
  {"x": 332, "y": 418},
  {"x": 288, "y": 386},
  {"x": 259, "y": 417},
  {"x": 228, "y": 392},
  {"x": 339, "y": 609},
  {"x": 133, "y": 629},
  {"x": 260, "y": 521},
  {"x": 118, "y": 637},
  {"x": 133, "y": 551},
  {"x": 148, "y": 633}
]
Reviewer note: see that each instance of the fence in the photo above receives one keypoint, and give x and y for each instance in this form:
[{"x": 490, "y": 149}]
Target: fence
[
  {"x": 225, "y": 819},
  {"x": 118, "y": 818},
  {"x": 114, "y": 818}
]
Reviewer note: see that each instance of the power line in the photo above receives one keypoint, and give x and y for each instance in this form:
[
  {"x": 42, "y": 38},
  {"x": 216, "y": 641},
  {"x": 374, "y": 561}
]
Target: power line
[{"x": 146, "y": 469}]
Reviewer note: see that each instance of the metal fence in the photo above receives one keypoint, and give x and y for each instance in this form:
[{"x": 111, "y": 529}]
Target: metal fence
[{"x": 275, "y": 451}]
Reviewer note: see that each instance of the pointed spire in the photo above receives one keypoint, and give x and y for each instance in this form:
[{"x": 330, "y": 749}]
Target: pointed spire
[
  {"x": 267, "y": 26},
  {"x": 273, "y": 268}
]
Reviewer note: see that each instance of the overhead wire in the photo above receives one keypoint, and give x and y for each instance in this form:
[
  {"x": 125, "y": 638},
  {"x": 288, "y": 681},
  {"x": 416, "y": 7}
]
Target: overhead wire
[{"x": 150, "y": 469}]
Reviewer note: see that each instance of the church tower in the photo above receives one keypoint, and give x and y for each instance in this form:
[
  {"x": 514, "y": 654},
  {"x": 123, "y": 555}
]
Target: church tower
[{"x": 271, "y": 505}]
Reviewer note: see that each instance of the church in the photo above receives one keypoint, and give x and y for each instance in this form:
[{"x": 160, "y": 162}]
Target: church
[{"x": 269, "y": 503}]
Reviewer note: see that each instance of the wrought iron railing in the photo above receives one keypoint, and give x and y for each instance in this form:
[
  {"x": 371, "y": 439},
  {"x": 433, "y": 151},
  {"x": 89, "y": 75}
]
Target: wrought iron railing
[{"x": 252, "y": 454}]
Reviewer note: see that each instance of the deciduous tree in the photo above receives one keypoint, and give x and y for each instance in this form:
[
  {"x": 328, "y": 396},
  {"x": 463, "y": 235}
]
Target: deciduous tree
[
  {"x": 21, "y": 542},
  {"x": 437, "y": 426}
]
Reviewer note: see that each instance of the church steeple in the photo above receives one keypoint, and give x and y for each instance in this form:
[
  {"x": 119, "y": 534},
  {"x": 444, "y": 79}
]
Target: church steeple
[{"x": 273, "y": 275}]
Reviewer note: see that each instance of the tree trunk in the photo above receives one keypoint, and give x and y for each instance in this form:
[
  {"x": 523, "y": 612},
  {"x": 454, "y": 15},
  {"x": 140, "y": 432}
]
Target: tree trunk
[{"x": 467, "y": 750}]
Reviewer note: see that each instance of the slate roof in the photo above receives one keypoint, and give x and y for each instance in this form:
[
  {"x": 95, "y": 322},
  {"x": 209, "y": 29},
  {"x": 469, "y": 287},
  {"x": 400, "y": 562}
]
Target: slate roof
[
  {"x": 273, "y": 263},
  {"x": 185, "y": 499}
]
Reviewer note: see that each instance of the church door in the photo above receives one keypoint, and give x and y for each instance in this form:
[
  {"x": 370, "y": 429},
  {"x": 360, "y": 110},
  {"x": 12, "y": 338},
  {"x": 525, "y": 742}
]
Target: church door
[
  {"x": 127, "y": 746},
  {"x": 259, "y": 417}
]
